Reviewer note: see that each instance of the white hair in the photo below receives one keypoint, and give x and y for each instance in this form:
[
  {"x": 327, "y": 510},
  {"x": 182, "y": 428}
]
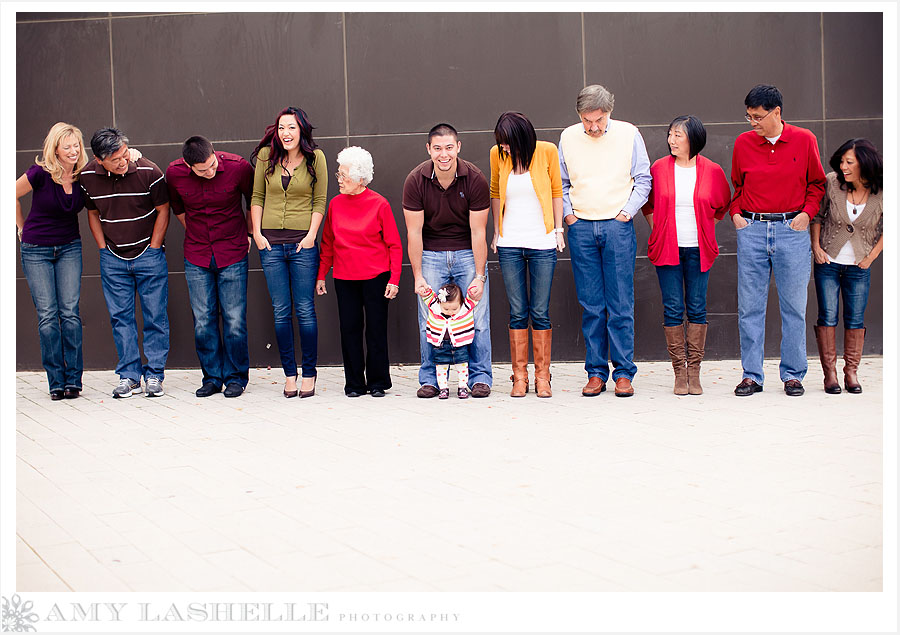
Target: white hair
[{"x": 358, "y": 162}]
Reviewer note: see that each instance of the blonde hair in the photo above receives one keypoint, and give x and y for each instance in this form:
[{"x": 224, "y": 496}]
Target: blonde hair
[{"x": 50, "y": 162}]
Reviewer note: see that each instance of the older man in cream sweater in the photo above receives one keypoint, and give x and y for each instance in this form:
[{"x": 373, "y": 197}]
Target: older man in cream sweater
[{"x": 606, "y": 179}]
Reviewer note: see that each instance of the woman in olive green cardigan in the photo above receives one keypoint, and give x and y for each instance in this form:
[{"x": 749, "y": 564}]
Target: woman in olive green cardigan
[{"x": 288, "y": 205}]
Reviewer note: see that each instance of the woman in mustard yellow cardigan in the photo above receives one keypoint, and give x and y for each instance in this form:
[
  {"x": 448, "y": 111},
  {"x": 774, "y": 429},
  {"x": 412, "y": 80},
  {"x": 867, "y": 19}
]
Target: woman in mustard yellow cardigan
[{"x": 526, "y": 204}]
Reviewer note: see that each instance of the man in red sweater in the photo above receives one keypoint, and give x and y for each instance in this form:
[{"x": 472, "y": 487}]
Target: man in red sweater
[{"x": 778, "y": 186}]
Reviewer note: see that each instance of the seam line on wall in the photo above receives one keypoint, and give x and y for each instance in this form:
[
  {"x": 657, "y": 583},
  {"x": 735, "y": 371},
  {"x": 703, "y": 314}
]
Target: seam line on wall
[
  {"x": 822, "y": 49},
  {"x": 583, "y": 55},
  {"x": 162, "y": 144},
  {"x": 112, "y": 73},
  {"x": 346, "y": 80}
]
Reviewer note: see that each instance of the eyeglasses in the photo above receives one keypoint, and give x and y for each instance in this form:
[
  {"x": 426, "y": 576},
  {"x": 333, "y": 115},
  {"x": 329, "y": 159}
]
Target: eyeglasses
[
  {"x": 757, "y": 118},
  {"x": 341, "y": 177}
]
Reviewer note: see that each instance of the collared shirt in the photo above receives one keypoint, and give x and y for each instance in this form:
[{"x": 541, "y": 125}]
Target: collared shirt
[
  {"x": 778, "y": 178},
  {"x": 127, "y": 204},
  {"x": 215, "y": 225},
  {"x": 640, "y": 172},
  {"x": 446, "y": 226}
]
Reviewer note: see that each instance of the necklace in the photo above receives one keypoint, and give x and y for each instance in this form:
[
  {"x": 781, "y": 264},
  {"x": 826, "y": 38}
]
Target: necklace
[{"x": 856, "y": 204}]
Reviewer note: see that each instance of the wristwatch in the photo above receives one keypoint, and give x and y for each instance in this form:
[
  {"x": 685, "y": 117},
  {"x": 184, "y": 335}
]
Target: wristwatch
[{"x": 480, "y": 277}]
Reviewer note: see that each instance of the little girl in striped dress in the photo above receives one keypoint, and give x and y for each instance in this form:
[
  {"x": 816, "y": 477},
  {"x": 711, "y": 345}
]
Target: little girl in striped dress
[{"x": 450, "y": 328}]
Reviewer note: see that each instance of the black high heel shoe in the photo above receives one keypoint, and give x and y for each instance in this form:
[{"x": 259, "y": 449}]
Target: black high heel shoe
[
  {"x": 290, "y": 393},
  {"x": 309, "y": 393}
]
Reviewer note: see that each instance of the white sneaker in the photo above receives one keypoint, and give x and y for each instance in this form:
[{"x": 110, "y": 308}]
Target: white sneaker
[
  {"x": 126, "y": 388},
  {"x": 154, "y": 387}
]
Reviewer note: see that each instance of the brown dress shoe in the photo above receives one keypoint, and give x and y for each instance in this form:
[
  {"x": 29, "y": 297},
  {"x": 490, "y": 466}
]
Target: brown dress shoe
[
  {"x": 427, "y": 391},
  {"x": 594, "y": 387},
  {"x": 480, "y": 390},
  {"x": 624, "y": 387}
]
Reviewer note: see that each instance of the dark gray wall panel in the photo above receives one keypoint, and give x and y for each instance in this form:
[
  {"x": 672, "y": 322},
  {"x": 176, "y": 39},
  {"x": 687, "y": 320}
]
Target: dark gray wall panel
[
  {"x": 837, "y": 132},
  {"x": 660, "y": 64},
  {"x": 464, "y": 68},
  {"x": 227, "y": 72},
  {"x": 853, "y": 86},
  {"x": 63, "y": 75}
]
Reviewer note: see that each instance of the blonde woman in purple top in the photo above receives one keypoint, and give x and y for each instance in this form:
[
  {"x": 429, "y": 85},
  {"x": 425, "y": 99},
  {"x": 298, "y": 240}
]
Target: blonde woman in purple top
[{"x": 51, "y": 253}]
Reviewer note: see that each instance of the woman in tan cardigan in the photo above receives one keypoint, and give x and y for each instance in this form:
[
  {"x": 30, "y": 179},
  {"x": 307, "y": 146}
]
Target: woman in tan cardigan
[
  {"x": 846, "y": 239},
  {"x": 526, "y": 204}
]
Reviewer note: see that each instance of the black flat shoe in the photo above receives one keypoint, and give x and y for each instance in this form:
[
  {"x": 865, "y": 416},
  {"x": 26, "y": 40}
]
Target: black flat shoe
[
  {"x": 747, "y": 387},
  {"x": 72, "y": 393},
  {"x": 207, "y": 389},
  {"x": 377, "y": 392},
  {"x": 56, "y": 395},
  {"x": 354, "y": 393},
  {"x": 233, "y": 390},
  {"x": 793, "y": 388}
]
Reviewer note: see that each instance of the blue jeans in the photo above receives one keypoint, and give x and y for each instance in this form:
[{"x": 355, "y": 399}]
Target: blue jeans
[
  {"x": 527, "y": 270},
  {"x": 850, "y": 282},
  {"x": 683, "y": 287},
  {"x": 439, "y": 268},
  {"x": 54, "y": 277},
  {"x": 767, "y": 249},
  {"x": 224, "y": 358},
  {"x": 603, "y": 253},
  {"x": 446, "y": 353},
  {"x": 291, "y": 278},
  {"x": 148, "y": 277}
]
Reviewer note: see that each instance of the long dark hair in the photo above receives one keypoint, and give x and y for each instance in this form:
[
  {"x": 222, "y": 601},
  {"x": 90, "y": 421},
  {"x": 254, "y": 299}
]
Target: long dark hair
[
  {"x": 277, "y": 153},
  {"x": 514, "y": 129},
  {"x": 870, "y": 168}
]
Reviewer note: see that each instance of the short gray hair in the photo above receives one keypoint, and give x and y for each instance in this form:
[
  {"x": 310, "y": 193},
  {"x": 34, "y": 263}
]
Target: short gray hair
[
  {"x": 107, "y": 141},
  {"x": 594, "y": 97},
  {"x": 359, "y": 164}
]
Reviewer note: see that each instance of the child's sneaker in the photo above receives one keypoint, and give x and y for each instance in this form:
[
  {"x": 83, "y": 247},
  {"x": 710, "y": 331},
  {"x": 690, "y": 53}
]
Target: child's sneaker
[
  {"x": 444, "y": 393},
  {"x": 462, "y": 393}
]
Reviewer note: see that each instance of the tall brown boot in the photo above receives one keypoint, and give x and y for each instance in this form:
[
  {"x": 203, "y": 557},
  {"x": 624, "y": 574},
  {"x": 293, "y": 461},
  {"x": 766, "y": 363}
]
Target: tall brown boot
[
  {"x": 542, "y": 341},
  {"x": 518, "y": 351},
  {"x": 853, "y": 346},
  {"x": 825, "y": 341},
  {"x": 675, "y": 345},
  {"x": 696, "y": 348}
]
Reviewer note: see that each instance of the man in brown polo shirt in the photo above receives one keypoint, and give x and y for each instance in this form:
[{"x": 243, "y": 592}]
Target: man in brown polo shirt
[
  {"x": 128, "y": 212},
  {"x": 445, "y": 203}
]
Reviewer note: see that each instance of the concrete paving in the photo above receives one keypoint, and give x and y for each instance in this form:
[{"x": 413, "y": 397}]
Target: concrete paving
[{"x": 261, "y": 493}]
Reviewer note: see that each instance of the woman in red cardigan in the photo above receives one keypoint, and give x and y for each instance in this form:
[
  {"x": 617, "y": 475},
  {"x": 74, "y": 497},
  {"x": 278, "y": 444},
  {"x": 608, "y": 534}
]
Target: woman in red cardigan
[
  {"x": 690, "y": 195},
  {"x": 361, "y": 240}
]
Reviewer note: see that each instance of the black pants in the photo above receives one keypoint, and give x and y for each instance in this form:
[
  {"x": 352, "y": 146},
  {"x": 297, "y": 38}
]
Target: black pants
[{"x": 362, "y": 308}]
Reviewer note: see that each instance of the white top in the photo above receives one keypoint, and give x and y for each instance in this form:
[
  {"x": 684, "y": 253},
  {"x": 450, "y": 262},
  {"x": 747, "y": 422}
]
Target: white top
[
  {"x": 523, "y": 216},
  {"x": 846, "y": 256},
  {"x": 685, "y": 217},
  {"x": 772, "y": 140}
]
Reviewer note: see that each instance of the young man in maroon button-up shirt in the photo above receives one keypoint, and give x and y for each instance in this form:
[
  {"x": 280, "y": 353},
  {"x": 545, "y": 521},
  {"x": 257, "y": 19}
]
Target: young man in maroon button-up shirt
[{"x": 205, "y": 192}]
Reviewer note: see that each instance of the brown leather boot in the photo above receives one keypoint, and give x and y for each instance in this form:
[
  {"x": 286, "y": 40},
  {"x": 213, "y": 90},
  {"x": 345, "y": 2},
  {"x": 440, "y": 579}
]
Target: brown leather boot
[
  {"x": 696, "y": 348},
  {"x": 542, "y": 341},
  {"x": 825, "y": 342},
  {"x": 853, "y": 346},
  {"x": 518, "y": 351},
  {"x": 675, "y": 345}
]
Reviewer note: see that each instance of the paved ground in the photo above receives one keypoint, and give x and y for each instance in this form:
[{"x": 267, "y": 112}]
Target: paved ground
[{"x": 656, "y": 492}]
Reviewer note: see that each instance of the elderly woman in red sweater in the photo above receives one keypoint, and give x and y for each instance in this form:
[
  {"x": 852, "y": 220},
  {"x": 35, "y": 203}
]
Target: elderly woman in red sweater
[
  {"x": 361, "y": 240},
  {"x": 689, "y": 196}
]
